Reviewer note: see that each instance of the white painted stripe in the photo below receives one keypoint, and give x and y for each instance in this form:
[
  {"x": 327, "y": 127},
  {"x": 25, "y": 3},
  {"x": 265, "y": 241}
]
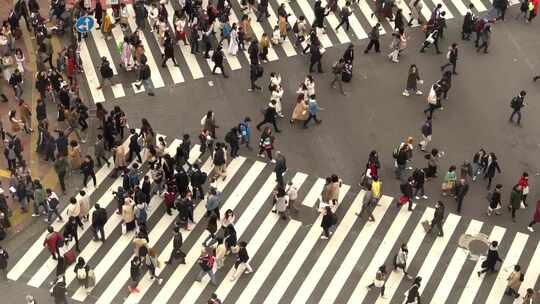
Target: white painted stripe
[
  {"x": 103, "y": 50},
  {"x": 259, "y": 31},
  {"x": 90, "y": 74},
  {"x": 167, "y": 290},
  {"x": 190, "y": 59},
  {"x": 287, "y": 46},
  {"x": 310, "y": 16},
  {"x": 444, "y": 9},
  {"x": 254, "y": 245},
  {"x": 479, "y": 5},
  {"x": 37, "y": 247},
  {"x": 405, "y": 10},
  {"x": 333, "y": 21},
  {"x": 345, "y": 225},
  {"x": 120, "y": 244},
  {"x": 367, "y": 12},
  {"x": 175, "y": 72},
  {"x": 511, "y": 259},
  {"x": 157, "y": 81},
  {"x": 234, "y": 63},
  {"x": 474, "y": 282},
  {"x": 123, "y": 275},
  {"x": 198, "y": 213},
  {"x": 292, "y": 18},
  {"x": 425, "y": 11},
  {"x": 462, "y": 8},
  {"x": 303, "y": 251},
  {"x": 378, "y": 259},
  {"x": 271, "y": 259},
  {"x": 314, "y": 193},
  {"x": 456, "y": 263},
  {"x": 339, "y": 278},
  {"x": 531, "y": 275},
  {"x": 414, "y": 243},
  {"x": 437, "y": 249}
]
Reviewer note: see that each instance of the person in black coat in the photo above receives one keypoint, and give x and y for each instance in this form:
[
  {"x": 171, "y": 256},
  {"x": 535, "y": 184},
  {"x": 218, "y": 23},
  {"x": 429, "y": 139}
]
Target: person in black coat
[
  {"x": 182, "y": 181},
  {"x": 280, "y": 169},
  {"x": 87, "y": 169},
  {"x": 254, "y": 74},
  {"x": 106, "y": 72},
  {"x": 327, "y": 222},
  {"x": 461, "y": 189},
  {"x": 99, "y": 218},
  {"x": 468, "y": 24},
  {"x": 4, "y": 257},
  {"x": 492, "y": 166},
  {"x": 413, "y": 294},
  {"x": 177, "y": 252},
  {"x": 217, "y": 58},
  {"x": 348, "y": 56},
  {"x": 253, "y": 51},
  {"x": 198, "y": 178},
  {"x": 491, "y": 259},
  {"x": 135, "y": 273},
  {"x": 320, "y": 12},
  {"x": 134, "y": 146},
  {"x": 270, "y": 115},
  {"x": 438, "y": 218},
  {"x": 419, "y": 177},
  {"x": 407, "y": 191},
  {"x": 70, "y": 232},
  {"x": 315, "y": 59},
  {"x": 168, "y": 50}
]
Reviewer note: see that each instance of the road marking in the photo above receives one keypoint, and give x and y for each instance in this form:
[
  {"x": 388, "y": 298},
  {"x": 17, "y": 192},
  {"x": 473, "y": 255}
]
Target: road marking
[
  {"x": 310, "y": 17},
  {"x": 103, "y": 50},
  {"x": 286, "y": 44},
  {"x": 531, "y": 275},
  {"x": 90, "y": 74}
]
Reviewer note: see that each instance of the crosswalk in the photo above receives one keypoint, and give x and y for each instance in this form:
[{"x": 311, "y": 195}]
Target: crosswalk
[
  {"x": 193, "y": 67},
  {"x": 292, "y": 264}
]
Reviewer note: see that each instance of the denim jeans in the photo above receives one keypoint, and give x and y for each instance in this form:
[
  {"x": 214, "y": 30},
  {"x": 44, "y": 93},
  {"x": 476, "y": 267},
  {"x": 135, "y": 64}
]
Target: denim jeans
[
  {"x": 148, "y": 85},
  {"x": 209, "y": 273}
]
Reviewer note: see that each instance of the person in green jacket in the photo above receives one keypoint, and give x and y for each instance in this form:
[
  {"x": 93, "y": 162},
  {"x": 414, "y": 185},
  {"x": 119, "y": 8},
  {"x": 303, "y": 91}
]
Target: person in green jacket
[
  {"x": 515, "y": 200},
  {"x": 61, "y": 166},
  {"x": 39, "y": 198}
]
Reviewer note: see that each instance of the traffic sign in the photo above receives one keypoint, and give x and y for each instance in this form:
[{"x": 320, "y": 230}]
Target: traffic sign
[{"x": 85, "y": 24}]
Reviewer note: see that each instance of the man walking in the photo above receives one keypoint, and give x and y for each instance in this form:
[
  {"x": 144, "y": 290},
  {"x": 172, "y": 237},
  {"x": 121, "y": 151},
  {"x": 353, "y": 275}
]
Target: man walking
[
  {"x": 61, "y": 167},
  {"x": 344, "y": 15},
  {"x": 337, "y": 70},
  {"x": 313, "y": 109},
  {"x": 491, "y": 259},
  {"x": 280, "y": 169},
  {"x": 99, "y": 218},
  {"x": 106, "y": 73},
  {"x": 206, "y": 262},
  {"x": 373, "y": 39},
  {"x": 255, "y": 72},
  {"x": 452, "y": 57},
  {"x": 134, "y": 146},
  {"x": 461, "y": 189},
  {"x": 217, "y": 58},
  {"x": 517, "y": 103},
  {"x": 516, "y": 197},
  {"x": 316, "y": 57},
  {"x": 177, "y": 252},
  {"x": 438, "y": 218},
  {"x": 427, "y": 130},
  {"x": 270, "y": 115},
  {"x": 144, "y": 77}
]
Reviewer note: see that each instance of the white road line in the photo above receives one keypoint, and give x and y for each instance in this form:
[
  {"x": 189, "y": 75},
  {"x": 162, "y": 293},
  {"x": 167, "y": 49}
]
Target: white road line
[
  {"x": 286, "y": 44},
  {"x": 531, "y": 275},
  {"x": 456, "y": 263},
  {"x": 511, "y": 259},
  {"x": 254, "y": 245},
  {"x": 167, "y": 290},
  {"x": 367, "y": 12},
  {"x": 120, "y": 244},
  {"x": 271, "y": 259},
  {"x": 118, "y": 35},
  {"x": 404, "y": 10},
  {"x": 157, "y": 81},
  {"x": 90, "y": 73},
  {"x": 314, "y": 193},
  {"x": 103, "y": 50},
  {"x": 462, "y": 8},
  {"x": 190, "y": 59},
  {"x": 437, "y": 249},
  {"x": 474, "y": 282},
  {"x": 414, "y": 243},
  {"x": 333, "y": 21},
  {"x": 339, "y": 278},
  {"x": 310, "y": 16},
  {"x": 123, "y": 275},
  {"x": 198, "y": 213},
  {"x": 259, "y": 31},
  {"x": 425, "y": 11},
  {"x": 392, "y": 235},
  {"x": 37, "y": 247},
  {"x": 301, "y": 254},
  {"x": 330, "y": 250}
]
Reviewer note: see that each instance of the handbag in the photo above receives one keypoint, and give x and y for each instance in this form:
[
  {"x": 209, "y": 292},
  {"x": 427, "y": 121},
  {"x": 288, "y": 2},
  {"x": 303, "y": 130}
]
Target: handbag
[{"x": 522, "y": 205}]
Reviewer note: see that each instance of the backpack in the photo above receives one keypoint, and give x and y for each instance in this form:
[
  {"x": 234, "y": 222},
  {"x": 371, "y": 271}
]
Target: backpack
[
  {"x": 145, "y": 72},
  {"x": 204, "y": 262},
  {"x": 344, "y": 13},
  {"x": 229, "y": 137},
  {"x": 142, "y": 215},
  {"x": 514, "y": 104},
  {"x": 395, "y": 152},
  {"x": 133, "y": 179},
  {"x": 81, "y": 273},
  {"x": 53, "y": 203}
]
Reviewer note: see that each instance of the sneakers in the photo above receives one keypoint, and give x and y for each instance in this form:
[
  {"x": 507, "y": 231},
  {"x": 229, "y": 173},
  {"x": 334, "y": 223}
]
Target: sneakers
[
  {"x": 159, "y": 281},
  {"x": 34, "y": 215},
  {"x": 324, "y": 237},
  {"x": 417, "y": 197},
  {"x": 233, "y": 278},
  {"x": 419, "y": 92},
  {"x": 530, "y": 228},
  {"x": 424, "y": 196},
  {"x": 405, "y": 93}
]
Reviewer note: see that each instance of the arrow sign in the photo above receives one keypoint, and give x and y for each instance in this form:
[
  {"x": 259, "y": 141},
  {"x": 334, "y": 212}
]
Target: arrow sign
[{"x": 85, "y": 24}]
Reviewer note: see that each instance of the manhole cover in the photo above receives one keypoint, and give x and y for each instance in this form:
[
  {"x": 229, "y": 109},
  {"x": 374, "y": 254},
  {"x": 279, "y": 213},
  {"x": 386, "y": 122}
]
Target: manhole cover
[{"x": 476, "y": 245}]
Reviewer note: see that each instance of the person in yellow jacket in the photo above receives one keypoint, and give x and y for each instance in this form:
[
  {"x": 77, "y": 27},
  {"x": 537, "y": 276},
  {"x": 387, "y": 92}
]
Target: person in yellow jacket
[
  {"x": 376, "y": 188},
  {"x": 107, "y": 25}
]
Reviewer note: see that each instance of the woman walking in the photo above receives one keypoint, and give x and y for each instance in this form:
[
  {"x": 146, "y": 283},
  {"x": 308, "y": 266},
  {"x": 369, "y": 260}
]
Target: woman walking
[
  {"x": 379, "y": 282},
  {"x": 413, "y": 79},
  {"x": 328, "y": 220},
  {"x": 536, "y": 218}
]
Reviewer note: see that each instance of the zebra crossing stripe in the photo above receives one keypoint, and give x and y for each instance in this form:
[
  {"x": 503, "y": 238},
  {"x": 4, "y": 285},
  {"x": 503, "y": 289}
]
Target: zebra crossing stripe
[
  {"x": 474, "y": 282},
  {"x": 333, "y": 21},
  {"x": 460, "y": 7},
  {"x": 310, "y": 17},
  {"x": 531, "y": 275},
  {"x": 330, "y": 250},
  {"x": 512, "y": 258},
  {"x": 155, "y": 76},
  {"x": 123, "y": 242},
  {"x": 286, "y": 44},
  {"x": 413, "y": 245},
  {"x": 90, "y": 74},
  {"x": 259, "y": 31},
  {"x": 123, "y": 275},
  {"x": 254, "y": 245},
  {"x": 176, "y": 73},
  {"x": 456, "y": 263},
  {"x": 480, "y": 7},
  {"x": 270, "y": 260},
  {"x": 234, "y": 63},
  {"x": 437, "y": 249},
  {"x": 390, "y": 238},
  {"x": 37, "y": 247},
  {"x": 368, "y": 13},
  {"x": 305, "y": 247},
  {"x": 192, "y": 256},
  {"x": 103, "y": 50},
  {"x": 425, "y": 11}
]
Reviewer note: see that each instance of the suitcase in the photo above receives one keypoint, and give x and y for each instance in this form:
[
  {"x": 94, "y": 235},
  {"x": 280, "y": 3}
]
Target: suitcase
[{"x": 69, "y": 257}]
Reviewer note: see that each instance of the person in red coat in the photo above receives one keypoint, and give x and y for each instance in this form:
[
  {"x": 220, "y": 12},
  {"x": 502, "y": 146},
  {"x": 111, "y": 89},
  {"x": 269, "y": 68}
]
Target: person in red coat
[
  {"x": 51, "y": 241},
  {"x": 524, "y": 183},
  {"x": 536, "y": 218}
]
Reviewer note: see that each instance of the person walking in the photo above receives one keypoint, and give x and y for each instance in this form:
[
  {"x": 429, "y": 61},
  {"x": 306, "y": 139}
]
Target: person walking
[
  {"x": 468, "y": 23},
  {"x": 412, "y": 295},
  {"x": 327, "y": 222},
  {"x": 292, "y": 193},
  {"x": 380, "y": 280},
  {"x": 315, "y": 58},
  {"x": 233, "y": 139},
  {"x": 427, "y": 131},
  {"x": 99, "y": 219},
  {"x": 217, "y": 58},
  {"x": 536, "y": 217},
  {"x": 220, "y": 161},
  {"x": 491, "y": 167},
  {"x": 524, "y": 183},
  {"x": 4, "y": 258},
  {"x": 242, "y": 262},
  {"x": 61, "y": 167},
  {"x": 517, "y": 103},
  {"x": 266, "y": 144},
  {"x": 212, "y": 204},
  {"x": 432, "y": 38},
  {"x": 87, "y": 169},
  {"x": 152, "y": 264},
  {"x": 413, "y": 80},
  {"x": 206, "y": 263},
  {"x": 177, "y": 253},
  {"x": 438, "y": 218},
  {"x": 198, "y": 179},
  {"x": 515, "y": 200},
  {"x": 452, "y": 57},
  {"x": 99, "y": 151},
  {"x": 401, "y": 258},
  {"x": 313, "y": 109},
  {"x": 485, "y": 34},
  {"x": 367, "y": 204},
  {"x": 168, "y": 51},
  {"x": 135, "y": 274},
  {"x": 461, "y": 189},
  {"x": 491, "y": 259},
  {"x": 344, "y": 16},
  {"x": 280, "y": 169},
  {"x": 144, "y": 77},
  {"x": 494, "y": 199},
  {"x": 514, "y": 282},
  {"x": 374, "y": 39},
  {"x": 270, "y": 116},
  {"x": 419, "y": 178},
  {"x": 337, "y": 70},
  {"x": 52, "y": 239},
  {"x": 106, "y": 73}
]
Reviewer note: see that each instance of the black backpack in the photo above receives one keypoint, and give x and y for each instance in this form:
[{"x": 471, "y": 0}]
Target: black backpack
[{"x": 145, "y": 72}]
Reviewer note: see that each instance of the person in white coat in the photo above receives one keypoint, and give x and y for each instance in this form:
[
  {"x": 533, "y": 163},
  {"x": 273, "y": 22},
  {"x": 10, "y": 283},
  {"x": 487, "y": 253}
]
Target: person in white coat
[
  {"x": 233, "y": 40},
  {"x": 400, "y": 260}
]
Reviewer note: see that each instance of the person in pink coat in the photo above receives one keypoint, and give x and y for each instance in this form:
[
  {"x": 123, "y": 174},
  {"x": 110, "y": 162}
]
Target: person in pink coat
[{"x": 536, "y": 218}]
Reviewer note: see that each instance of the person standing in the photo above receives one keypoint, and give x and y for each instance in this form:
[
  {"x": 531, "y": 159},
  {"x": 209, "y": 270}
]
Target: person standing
[
  {"x": 427, "y": 131},
  {"x": 313, "y": 109},
  {"x": 134, "y": 146},
  {"x": 491, "y": 259},
  {"x": 242, "y": 262},
  {"x": 197, "y": 179},
  {"x": 217, "y": 58},
  {"x": 517, "y": 103},
  {"x": 337, "y": 70},
  {"x": 468, "y": 23},
  {"x": 374, "y": 39},
  {"x": 460, "y": 190},
  {"x": 412, "y": 295},
  {"x": 515, "y": 200},
  {"x": 270, "y": 115},
  {"x": 438, "y": 218},
  {"x": 452, "y": 57},
  {"x": 99, "y": 218},
  {"x": 177, "y": 252},
  {"x": 400, "y": 259},
  {"x": 4, "y": 258},
  {"x": 144, "y": 77},
  {"x": 280, "y": 169},
  {"x": 536, "y": 217},
  {"x": 380, "y": 280}
]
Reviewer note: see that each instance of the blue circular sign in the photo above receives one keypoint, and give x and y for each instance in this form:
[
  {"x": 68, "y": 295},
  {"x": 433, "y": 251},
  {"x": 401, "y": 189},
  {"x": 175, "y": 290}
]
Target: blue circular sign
[{"x": 85, "y": 24}]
